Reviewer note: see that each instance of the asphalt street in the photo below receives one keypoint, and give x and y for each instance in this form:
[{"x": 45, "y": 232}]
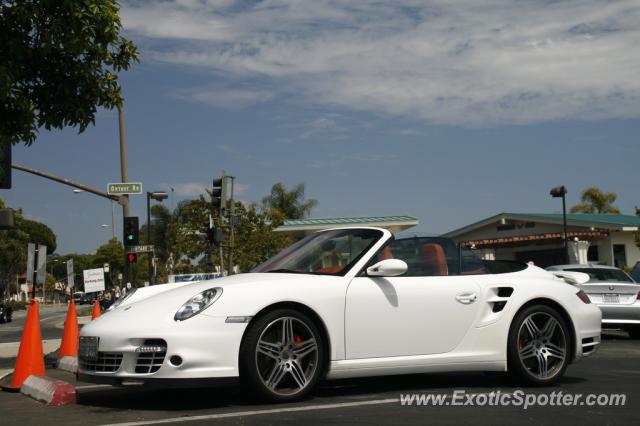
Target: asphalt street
[{"x": 612, "y": 370}]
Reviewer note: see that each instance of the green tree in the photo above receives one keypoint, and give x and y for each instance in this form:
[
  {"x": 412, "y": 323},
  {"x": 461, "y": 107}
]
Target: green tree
[
  {"x": 113, "y": 254},
  {"x": 13, "y": 247},
  {"x": 38, "y": 233},
  {"x": 255, "y": 240},
  {"x": 596, "y": 201},
  {"x": 59, "y": 64},
  {"x": 290, "y": 204}
]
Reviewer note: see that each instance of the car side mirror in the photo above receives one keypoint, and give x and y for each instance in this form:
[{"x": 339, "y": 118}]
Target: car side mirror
[{"x": 388, "y": 268}]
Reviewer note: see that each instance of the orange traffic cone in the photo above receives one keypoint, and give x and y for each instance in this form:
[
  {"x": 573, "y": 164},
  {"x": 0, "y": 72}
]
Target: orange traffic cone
[
  {"x": 30, "y": 355},
  {"x": 69, "y": 344},
  {"x": 96, "y": 310}
]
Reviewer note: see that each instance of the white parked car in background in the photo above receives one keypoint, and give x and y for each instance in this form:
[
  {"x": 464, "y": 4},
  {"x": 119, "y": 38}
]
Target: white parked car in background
[
  {"x": 614, "y": 292},
  {"x": 340, "y": 303}
]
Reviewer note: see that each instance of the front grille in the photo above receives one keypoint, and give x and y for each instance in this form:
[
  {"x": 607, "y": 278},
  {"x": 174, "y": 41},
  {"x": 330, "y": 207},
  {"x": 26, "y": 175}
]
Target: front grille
[
  {"x": 107, "y": 362},
  {"x": 150, "y": 362}
]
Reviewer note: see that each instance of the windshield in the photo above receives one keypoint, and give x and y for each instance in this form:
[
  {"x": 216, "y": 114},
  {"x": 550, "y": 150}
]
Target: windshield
[
  {"x": 602, "y": 275},
  {"x": 323, "y": 253}
]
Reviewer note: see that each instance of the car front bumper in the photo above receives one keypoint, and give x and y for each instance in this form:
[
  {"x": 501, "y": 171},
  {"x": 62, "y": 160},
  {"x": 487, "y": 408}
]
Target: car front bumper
[{"x": 207, "y": 348}]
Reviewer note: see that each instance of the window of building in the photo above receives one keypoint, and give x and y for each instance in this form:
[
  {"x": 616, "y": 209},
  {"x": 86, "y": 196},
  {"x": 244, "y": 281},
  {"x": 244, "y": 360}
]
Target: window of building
[{"x": 619, "y": 256}]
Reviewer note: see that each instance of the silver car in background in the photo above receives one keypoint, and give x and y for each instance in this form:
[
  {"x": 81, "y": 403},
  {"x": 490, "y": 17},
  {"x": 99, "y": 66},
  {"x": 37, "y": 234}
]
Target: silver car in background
[{"x": 614, "y": 292}]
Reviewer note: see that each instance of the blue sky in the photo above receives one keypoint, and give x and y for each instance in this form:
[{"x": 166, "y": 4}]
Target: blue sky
[{"x": 450, "y": 111}]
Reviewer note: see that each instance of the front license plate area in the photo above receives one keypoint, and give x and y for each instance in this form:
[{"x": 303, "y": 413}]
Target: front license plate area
[
  {"x": 88, "y": 348},
  {"x": 611, "y": 298}
]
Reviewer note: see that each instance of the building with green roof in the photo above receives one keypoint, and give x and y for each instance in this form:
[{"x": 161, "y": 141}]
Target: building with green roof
[
  {"x": 600, "y": 238},
  {"x": 301, "y": 227}
]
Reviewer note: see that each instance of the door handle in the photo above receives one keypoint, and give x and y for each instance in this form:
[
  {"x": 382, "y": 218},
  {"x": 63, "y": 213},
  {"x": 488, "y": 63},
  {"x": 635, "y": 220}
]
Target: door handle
[{"x": 466, "y": 298}]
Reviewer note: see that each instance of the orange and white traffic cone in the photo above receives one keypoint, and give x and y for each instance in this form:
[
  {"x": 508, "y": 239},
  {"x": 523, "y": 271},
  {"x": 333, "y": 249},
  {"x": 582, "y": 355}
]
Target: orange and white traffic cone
[
  {"x": 96, "y": 311},
  {"x": 30, "y": 359},
  {"x": 69, "y": 344},
  {"x": 68, "y": 354}
]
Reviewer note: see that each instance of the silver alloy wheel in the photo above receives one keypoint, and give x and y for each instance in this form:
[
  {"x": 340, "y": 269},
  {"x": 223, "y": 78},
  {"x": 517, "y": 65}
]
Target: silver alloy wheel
[
  {"x": 286, "y": 356},
  {"x": 542, "y": 345}
]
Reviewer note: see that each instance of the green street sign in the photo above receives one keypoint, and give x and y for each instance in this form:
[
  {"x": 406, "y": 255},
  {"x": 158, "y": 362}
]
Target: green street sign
[{"x": 124, "y": 188}]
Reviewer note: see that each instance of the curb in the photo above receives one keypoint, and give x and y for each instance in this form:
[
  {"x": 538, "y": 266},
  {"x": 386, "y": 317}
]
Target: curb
[
  {"x": 68, "y": 363},
  {"x": 50, "y": 391}
]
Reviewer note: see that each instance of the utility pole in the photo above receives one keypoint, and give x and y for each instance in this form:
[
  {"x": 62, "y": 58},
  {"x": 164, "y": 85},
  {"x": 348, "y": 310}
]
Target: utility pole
[
  {"x": 124, "y": 177},
  {"x": 230, "y": 211}
]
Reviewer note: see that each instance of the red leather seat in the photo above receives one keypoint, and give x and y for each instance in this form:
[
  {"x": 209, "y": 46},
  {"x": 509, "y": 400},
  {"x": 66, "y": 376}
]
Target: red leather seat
[{"x": 435, "y": 260}]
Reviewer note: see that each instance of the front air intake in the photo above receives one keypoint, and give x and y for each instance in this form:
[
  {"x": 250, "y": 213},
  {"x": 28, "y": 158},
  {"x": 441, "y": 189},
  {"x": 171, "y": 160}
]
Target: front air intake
[{"x": 151, "y": 356}]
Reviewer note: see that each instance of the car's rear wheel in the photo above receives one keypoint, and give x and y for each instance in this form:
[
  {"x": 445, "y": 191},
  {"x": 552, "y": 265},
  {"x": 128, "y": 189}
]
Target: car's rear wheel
[
  {"x": 539, "y": 346},
  {"x": 281, "y": 356}
]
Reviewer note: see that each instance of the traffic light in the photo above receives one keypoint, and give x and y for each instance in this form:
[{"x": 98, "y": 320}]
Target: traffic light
[
  {"x": 132, "y": 258},
  {"x": 130, "y": 231},
  {"x": 215, "y": 236},
  {"x": 5, "y": 165},
  {"x": 219, "y": 194}
]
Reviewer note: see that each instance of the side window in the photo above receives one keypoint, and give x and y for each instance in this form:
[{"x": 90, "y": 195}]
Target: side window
[{"x": 425, "y": 257}]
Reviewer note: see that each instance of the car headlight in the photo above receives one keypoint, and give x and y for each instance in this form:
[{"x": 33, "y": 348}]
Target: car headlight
[
  {"x": 122, "y": 299},
  {"x": 198, "y": 303}
]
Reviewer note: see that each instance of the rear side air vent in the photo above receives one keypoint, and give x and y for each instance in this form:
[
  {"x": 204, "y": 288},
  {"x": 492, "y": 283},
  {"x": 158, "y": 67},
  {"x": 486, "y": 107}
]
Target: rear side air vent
[
  {"x": 505, "y": 291},
  {"x": 500, "y": 298}
]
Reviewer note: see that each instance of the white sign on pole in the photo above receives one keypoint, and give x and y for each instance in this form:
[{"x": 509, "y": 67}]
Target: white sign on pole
[
  {"x": 42, "y": 264},
  {"x": 31, "y": 259},
  {"x": 93, "y": 280},
  {"x": 70, "y": 282}
]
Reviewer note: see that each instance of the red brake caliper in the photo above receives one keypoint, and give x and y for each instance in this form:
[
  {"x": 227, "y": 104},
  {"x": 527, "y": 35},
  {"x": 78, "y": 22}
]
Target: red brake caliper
[{"x": 297, "y": 340}]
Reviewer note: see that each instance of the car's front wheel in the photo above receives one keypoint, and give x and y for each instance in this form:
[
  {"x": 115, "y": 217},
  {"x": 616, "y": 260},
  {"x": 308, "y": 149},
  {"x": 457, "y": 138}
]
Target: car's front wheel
[
  {"x": 539, "y": 346},
  {"x": 282, "y": 356}
]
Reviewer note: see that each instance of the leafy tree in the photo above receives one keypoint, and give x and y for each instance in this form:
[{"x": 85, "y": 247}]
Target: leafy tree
[
  {"x": 38, "y": 233},
  {"x": 13, "y": 247},
  {"x": 255, "y": 240},
  {"x": 59, "y": 64},
  {"x": 596, "y": 201},
  {"x": 13, "y": 257},
  {"x": 291, "y": 204},
  {"x": 113, "y": 254}
]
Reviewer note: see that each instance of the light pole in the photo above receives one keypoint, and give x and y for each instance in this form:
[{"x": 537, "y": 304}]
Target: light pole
[
  {"x": 561, "y": 192},
  {"x": 158, "y": 196}
]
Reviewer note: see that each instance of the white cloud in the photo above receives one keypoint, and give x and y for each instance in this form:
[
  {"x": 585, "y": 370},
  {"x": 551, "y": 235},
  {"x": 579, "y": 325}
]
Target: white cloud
[
  {"x": 226, "y": 98},
  {"x": 461, "y": 62}
]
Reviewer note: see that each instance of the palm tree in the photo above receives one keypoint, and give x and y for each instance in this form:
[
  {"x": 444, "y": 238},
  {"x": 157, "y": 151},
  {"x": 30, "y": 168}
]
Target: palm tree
[
  {"x": 596, "y": 201},
  {"x": 290, "y": 204}
]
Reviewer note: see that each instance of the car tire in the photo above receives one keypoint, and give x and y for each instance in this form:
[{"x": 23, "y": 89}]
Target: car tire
[
  {"x": 539, "y": 346},
  {"x": 282, "y": 356}
]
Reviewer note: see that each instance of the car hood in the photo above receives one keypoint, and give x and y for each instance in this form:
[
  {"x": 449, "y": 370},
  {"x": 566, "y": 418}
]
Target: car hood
[{"x": 166, "y": 299}]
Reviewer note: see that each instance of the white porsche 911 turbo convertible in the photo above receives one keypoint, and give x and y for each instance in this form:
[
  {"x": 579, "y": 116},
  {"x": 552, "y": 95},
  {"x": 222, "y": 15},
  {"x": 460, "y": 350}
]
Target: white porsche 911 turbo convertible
[{"x": 348, "y": 302}]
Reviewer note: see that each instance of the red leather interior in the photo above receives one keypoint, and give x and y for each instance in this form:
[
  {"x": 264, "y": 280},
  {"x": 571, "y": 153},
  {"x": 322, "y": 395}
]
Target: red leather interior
[
  {"x": 435, "y": 261},
  {"x": 330, "y": 269}
]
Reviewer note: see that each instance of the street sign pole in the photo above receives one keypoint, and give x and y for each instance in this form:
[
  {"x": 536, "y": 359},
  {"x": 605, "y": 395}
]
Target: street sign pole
[
  {"x": 31, "y": 260},
  {"x": 41, "y": 272}
]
